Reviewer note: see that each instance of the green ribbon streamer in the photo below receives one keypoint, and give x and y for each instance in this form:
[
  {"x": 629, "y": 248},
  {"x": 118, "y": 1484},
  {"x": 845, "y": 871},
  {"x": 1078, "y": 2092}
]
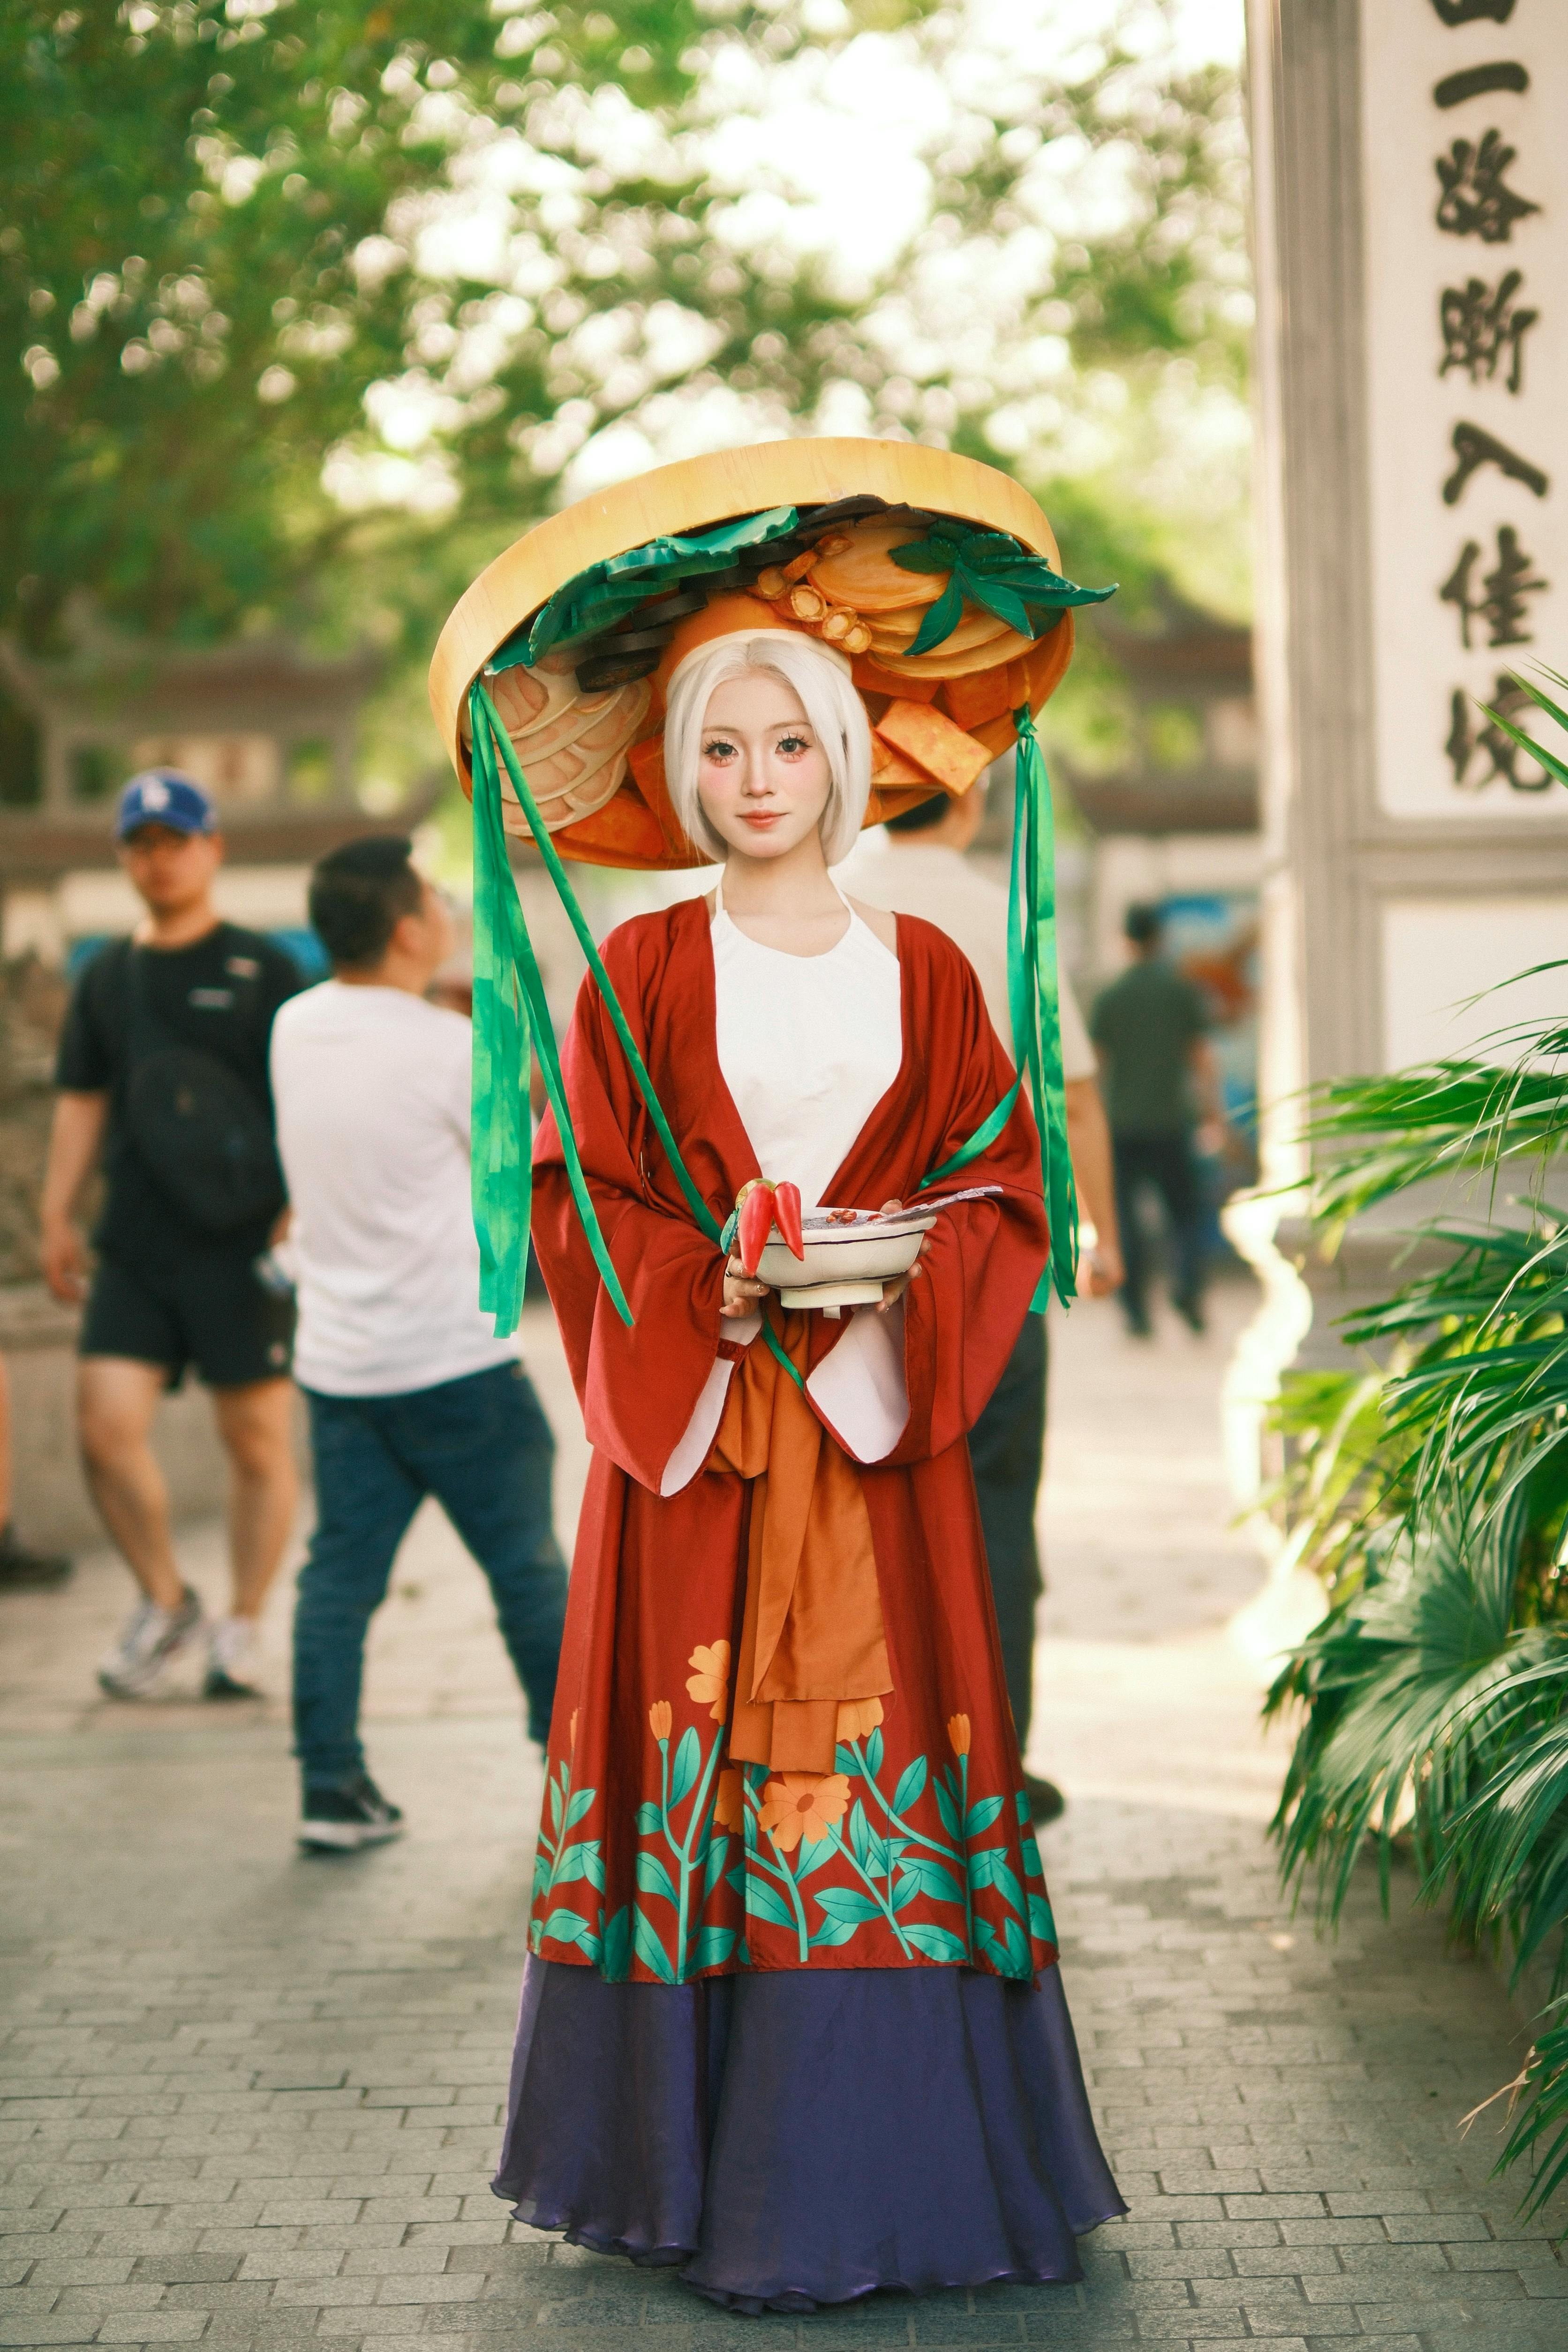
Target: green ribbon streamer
[
  {"x": 505, "y": 971},
  {"x": 510, "y": 1010},
  {"x": 1035, "y": 1014}
]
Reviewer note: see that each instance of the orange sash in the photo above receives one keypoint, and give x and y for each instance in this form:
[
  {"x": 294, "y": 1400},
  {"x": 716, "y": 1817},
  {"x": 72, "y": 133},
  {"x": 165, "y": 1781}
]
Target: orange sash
[{"x": 812, "y": 1636}]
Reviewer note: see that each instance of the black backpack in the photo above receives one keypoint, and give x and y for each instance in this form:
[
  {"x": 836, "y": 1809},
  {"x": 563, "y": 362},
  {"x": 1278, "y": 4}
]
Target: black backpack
[{"x": 198, "y": 1128}]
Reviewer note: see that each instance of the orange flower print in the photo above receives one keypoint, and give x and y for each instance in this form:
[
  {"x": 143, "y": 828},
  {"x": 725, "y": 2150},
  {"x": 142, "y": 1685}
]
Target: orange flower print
[
  {"x": 958, "y": 1734},
  {"x": 729, "y": 1798},
  {"x": 711, "y": 1680},
  {"x": 571, "y": 1731},
  {"x": 659, "y": 1718},
  {"x": 801, "y": 1805},
  {"x": 856, "y": 1716}
]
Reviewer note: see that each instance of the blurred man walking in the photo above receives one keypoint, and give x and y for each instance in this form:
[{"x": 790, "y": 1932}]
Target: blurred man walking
[
  {"x": 1151, "y": 1027},
  {"x": 163, "y": 1065},
  {"x": 928, "y": 874},
  {"x": 410, "y": 1393}
]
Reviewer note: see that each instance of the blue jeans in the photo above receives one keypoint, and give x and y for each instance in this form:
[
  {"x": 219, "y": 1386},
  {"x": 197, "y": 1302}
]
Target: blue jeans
[{"x": 483, "y": 1448}]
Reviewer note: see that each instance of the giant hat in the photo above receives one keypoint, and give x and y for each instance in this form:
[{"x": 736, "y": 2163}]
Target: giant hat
[
  {"x": 934, "y": 577},
  {"x": 937, "y": 576}
]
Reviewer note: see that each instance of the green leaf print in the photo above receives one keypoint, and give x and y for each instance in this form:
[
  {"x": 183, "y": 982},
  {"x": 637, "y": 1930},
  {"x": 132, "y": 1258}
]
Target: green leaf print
[
  {"x": 555, "y": 1802},
  {"x": 577, "y": 1805},
  {"x": 654, "y": 1879},
  {"x": 874, "y": 1753},
  {"x": 650, "y": 1820},
  {"x": 946, "y": 1805},
  {"x": 565, "y": 1927},
  {"x": 648, "y": 1949},
  {"x": 982, "y": 1816},
  {"x": 618, "y": 1946},
  {"x": 835, "y": 1931},
  {"x": 688, "y": 1764},
  {"x": 1033, "y": 1866},
  {"x": 911, "y": 1786},
  {"x": 1040, "y": 1920},
  {"x": 928, "y": 1876},
  {"x": 715, "y": 1946},
  {"x": 936, "y": 1943},
  {"x": 848, "y": 1902},
  {"x": 762, "y": 1899}
]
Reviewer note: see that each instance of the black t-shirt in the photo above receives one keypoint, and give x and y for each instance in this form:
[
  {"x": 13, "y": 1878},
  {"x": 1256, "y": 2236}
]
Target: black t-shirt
[{"x": 219, "y": 994}]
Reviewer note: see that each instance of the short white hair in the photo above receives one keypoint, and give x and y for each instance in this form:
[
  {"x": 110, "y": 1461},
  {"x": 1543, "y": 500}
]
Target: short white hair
[{"x": 820, "y": 676}]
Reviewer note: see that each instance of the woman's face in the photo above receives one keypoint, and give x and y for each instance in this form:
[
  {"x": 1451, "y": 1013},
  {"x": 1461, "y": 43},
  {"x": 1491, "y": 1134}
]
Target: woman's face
[{"x": 763, "y": 777}]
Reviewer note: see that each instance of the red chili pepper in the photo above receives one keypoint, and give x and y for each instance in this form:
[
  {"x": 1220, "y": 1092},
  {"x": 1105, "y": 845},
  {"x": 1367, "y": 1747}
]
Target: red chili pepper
[
  {"x": 756, "y": 1224},
  {"x": 786, "y": 1209}
]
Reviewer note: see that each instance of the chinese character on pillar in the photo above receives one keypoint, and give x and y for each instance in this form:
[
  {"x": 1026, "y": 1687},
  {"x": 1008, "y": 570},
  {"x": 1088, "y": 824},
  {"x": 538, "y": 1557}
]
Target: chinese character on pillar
[
  {"x": 1503, "y": 761},
  {"x": 1474, "y": 447},
  {"x": 1502, "y": 605},
  {"x": 1474, "y": 12},
  {"x": 1475, "y": 200},
  {"x": 1483, "y": 326}
]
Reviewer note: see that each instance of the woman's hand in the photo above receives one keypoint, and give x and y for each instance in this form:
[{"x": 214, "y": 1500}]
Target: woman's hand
[
  {"x": 744, "y": 1294},
  {"x": 893, "y": 1291}
]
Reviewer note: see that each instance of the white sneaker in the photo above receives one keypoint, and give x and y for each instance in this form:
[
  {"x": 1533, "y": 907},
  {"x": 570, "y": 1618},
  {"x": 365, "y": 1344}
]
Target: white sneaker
[
  {"x": 150, "y": 1640},
  {"x": 232, "y": 1660}
]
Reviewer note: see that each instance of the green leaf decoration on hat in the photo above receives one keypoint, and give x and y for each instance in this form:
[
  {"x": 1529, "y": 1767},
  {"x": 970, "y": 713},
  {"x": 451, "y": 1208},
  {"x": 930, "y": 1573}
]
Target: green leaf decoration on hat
[
  {"x": 605, "y": 592},
  {"x": 987, "y": 567}
]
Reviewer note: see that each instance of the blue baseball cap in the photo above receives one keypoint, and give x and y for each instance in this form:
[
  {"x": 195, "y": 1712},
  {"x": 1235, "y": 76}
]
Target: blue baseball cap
[{"x": 163, "y": 796}]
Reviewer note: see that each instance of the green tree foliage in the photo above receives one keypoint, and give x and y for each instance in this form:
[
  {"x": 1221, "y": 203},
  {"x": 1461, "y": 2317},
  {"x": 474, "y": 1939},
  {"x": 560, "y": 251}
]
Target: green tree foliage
[
  {"x": 285, "y": 289},
  {"x": 1433, "y": 1491}
]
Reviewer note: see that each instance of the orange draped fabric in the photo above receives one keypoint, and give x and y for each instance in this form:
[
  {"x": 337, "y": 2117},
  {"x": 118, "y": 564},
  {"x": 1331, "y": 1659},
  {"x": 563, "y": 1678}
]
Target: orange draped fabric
[{"x": 812, "y": 1635}]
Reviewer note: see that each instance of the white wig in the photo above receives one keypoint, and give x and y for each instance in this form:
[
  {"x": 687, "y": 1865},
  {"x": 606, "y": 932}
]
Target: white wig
[{"x": 820, "y": 676}]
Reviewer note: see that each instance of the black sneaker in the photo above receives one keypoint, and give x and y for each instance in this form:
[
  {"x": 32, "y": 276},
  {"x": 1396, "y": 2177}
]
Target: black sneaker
[
  {"x": 21, "y": 1567},
  {"x": 340, "y": 1821}
]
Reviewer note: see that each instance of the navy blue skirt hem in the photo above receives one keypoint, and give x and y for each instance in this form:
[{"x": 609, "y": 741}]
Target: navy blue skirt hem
[{"x": 787, "y": 2141}]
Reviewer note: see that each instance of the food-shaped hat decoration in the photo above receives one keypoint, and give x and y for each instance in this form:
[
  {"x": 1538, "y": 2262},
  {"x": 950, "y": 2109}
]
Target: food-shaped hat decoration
[{"x": 935, "y": 578}]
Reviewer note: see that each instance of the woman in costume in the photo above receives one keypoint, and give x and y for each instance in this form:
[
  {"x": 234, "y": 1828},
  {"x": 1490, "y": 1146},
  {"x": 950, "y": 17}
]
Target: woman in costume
[{"x": 791, "y": 2018}]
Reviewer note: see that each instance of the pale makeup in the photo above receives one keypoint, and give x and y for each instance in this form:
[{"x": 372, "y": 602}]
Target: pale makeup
[{"x": 763, "y": 777}]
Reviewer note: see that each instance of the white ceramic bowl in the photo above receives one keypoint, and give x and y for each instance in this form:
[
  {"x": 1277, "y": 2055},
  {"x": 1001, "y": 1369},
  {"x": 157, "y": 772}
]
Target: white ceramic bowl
[{"x": 846, "y": 1265}]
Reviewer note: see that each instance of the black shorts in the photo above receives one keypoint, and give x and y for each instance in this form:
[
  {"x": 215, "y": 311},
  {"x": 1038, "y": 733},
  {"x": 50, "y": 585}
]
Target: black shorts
[{"x": 209, "y": 1310}]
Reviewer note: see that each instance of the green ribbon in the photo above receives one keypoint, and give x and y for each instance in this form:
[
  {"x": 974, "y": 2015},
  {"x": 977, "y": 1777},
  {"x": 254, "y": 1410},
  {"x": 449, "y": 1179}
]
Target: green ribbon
[
  {"x": 509, "y": 991},
  {"x": 1034, "y": 1007},
  {"x": 510, "y": 1011}
]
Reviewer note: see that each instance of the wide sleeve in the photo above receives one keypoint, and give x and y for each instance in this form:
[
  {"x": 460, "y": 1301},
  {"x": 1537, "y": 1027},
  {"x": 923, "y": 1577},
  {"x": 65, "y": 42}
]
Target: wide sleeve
[
  {"x": 983, "y": 1259},
  {"x": 640, "y": 1383}
]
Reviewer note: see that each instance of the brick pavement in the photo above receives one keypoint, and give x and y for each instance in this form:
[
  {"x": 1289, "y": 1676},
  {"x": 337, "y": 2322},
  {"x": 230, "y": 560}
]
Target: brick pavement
[{"x": 251, "y": 2100}]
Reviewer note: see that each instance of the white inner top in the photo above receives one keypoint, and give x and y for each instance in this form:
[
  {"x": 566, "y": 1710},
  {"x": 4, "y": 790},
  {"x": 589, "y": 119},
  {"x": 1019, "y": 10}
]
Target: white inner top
[
  {"x": 371, "y": 1087},
  {"x": 808, "y": 1045}
]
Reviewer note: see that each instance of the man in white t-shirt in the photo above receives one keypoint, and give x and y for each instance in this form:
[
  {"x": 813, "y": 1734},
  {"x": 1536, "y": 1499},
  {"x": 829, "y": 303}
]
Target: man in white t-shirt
[
  {"x": 918, "y": 867},
  {"x": 410, "y": 1393}
]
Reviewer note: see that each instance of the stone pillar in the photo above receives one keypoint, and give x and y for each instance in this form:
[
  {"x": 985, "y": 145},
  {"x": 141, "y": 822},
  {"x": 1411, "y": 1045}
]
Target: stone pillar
[
  {"x": 1412, "y": 202},
  {"x": 1411, "y": 179}
]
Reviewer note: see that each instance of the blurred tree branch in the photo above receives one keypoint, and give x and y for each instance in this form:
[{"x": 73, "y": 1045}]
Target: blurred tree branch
[{"x": 287, "y": 290}]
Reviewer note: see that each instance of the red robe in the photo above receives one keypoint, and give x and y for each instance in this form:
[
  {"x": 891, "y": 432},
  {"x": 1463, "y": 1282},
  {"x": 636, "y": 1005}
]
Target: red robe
[{"x": 659, "y": 1859}]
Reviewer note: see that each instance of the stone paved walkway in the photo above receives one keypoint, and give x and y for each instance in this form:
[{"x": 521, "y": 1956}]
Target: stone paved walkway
[{"x": 251, "y": 2100}]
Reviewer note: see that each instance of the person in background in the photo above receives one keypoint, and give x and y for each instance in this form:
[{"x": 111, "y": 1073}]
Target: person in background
[
  {"x": 20, "y": 1565},
  {"x": 163, "y": 1069},
  {"x": 1151, "y": 1027},
  {"x": 410, "y": 1393},
  {"x": 925, "y": 872}
]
